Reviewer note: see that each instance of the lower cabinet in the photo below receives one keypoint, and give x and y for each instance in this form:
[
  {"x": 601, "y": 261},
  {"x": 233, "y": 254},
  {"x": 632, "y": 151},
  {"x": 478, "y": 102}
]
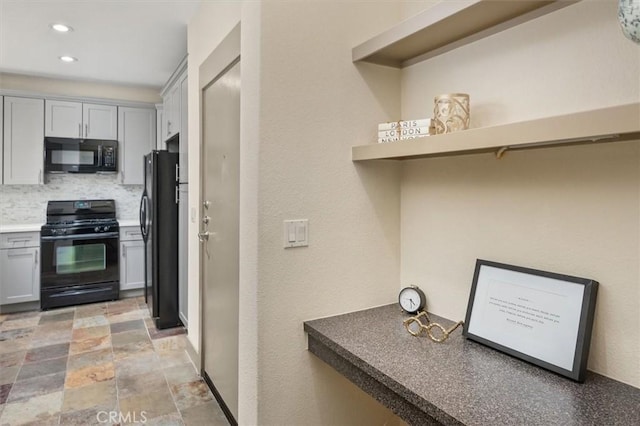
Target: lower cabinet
[
  {"x": 19, "y": 267},
  {"x": 131, "y": 258}
]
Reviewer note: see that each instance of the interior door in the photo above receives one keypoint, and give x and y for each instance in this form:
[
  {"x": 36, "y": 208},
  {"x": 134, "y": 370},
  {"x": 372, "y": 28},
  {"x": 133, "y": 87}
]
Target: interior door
[{"x": 220, "y": 214}]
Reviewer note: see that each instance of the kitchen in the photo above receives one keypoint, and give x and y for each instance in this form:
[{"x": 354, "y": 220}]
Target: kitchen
[
  {"x": 70, "y": 225},
  {"x": 376, "y": 226}
]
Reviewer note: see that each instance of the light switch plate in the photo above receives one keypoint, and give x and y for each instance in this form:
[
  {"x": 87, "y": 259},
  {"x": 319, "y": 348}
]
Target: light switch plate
[{"x": 296, "y": 233}]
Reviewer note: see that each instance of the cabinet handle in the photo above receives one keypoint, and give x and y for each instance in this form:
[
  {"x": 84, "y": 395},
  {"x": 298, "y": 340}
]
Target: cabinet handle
[
  {"x": 36, "y": 263},
  {"x": 79, "y": 130},
  {"x": 40, "y": 176},
  {"x": 86, "y": 130},
  {"x": 124, "y": 251},
  {"x": 168, "y": 128}
]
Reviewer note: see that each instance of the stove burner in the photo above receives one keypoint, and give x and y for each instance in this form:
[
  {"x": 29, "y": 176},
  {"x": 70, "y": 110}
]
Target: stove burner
[{"x": 80, "y": 217}]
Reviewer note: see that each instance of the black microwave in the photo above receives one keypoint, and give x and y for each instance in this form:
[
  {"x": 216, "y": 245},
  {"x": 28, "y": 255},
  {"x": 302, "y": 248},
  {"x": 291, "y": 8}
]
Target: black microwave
[{"x": 64, "y": 155}]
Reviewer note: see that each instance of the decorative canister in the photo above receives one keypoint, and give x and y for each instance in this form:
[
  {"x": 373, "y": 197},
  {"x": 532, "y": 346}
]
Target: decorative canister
[
  {"x": 629, "y": 17},
  {"x": 451, "y": 112}
]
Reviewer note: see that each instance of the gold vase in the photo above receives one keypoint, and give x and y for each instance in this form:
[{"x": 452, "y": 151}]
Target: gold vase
[{"x": 451, "y": 112}]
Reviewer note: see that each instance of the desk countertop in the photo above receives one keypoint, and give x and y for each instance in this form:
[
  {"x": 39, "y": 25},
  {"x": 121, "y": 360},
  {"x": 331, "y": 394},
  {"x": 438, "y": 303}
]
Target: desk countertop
[{"x": 460, "y": 381}]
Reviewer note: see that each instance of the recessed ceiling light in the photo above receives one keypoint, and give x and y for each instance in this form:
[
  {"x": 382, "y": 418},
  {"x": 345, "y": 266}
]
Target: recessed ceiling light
[
  {"x": 68, "y": 59},
  {"x": 62, "y": 28}
]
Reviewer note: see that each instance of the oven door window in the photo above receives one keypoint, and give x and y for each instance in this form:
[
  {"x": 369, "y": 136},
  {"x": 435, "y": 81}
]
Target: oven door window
[{"x": 81, "y": 258}]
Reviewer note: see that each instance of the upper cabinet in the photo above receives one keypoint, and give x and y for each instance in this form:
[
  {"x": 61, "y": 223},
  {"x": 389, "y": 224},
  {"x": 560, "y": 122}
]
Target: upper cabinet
[
  {"x": 23, "y": 141},
  {"x": 449, "y": 25},
  {"x": 136, "y": 137},
  {"x": 63, "y": 119},
  {"x": 66, "y": 119},
  {"x": 173, "y": 105},
  {"x": 100, "y": 121},
  {"x": 171, "y": 112}
]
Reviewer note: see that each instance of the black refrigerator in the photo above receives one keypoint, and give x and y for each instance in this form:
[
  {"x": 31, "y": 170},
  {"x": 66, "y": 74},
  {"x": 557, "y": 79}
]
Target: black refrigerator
[{"x": 159, "y": 226}]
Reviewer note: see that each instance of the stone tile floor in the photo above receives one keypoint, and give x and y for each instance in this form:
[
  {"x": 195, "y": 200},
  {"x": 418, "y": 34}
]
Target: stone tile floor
[{"x": 99, "y": 364}]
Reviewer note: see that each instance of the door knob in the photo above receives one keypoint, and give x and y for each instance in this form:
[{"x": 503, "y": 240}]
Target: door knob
[
  {"x": 206, "y": 204},
  {"x": 206, "y": 220},
  {"x": 203, "y": 236}
]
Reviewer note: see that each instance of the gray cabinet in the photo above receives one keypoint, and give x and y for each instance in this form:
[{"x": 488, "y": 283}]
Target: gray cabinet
[
  {"x": 23, "y": 141},
  {"x": 160, "y": 145},
  {"x": 66, "y": 119},
  {"x": 171, "y": 111},
  {"x": 131, "y": 258},
  {"x": 174, "y": 106},
  {"x": 136, "y": 137},
  {"x": 19, "y": 267}
]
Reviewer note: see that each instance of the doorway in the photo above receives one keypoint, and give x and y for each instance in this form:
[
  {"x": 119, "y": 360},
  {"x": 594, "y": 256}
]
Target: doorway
[{"x": 220, "y": 199}]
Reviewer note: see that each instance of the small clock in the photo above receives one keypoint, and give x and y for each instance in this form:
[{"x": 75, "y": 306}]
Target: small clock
[{"x": 412, "y": 299}]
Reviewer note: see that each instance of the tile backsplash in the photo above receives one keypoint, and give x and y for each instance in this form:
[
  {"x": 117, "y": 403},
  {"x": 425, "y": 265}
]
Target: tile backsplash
[{"x": 27, "y": 204}]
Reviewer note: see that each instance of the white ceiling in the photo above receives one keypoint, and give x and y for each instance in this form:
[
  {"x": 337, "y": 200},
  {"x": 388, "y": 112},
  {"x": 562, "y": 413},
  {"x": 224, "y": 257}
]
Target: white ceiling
[{"x": 137, "y": 42}]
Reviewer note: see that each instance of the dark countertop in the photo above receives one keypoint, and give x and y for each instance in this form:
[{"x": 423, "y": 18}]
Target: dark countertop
[{"x": 460, "y": 381}]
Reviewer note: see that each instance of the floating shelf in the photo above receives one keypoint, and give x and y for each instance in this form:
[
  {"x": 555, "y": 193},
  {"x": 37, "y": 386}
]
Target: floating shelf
[
  {"x": 447, "y": 26},
  {"x": 610, "y": 124}
]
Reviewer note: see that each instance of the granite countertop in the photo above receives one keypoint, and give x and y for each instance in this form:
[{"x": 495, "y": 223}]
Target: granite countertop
[
  {"x": 129, "y": 222},
  {"x": 20, "y": 227},
  {"x": 460, "y": 381}
]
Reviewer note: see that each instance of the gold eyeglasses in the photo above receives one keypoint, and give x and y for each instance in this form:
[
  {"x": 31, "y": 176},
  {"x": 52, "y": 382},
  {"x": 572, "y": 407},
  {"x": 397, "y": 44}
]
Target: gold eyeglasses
[{"x": 415, "y": 327}]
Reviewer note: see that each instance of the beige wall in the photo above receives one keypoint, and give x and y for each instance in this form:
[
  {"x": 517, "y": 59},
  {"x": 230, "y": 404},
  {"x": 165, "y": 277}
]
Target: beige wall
[
  {"x": 569, "y": 210},
  {"x": 56, "y": 86},
  {"x": 315, "y": 105}
]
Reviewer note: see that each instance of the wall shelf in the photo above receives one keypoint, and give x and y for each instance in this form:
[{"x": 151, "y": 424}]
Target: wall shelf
[
  {"x": 447, "y": 26},
  {"x": 612, "y": 124}
]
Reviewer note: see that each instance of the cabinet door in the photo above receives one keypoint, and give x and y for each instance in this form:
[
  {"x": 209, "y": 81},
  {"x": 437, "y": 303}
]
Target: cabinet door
[
  {"x": 166, "y": 113},
  {"x": 159, "y": 129},
  {"x": 19, "y": 275},
  {"x": 183, "y": 258},
  {"x": 184, "y": 131},
  {"x": 174, "y": 119},
  {"x": 100, "y": 121},
  {"x": 23, "y": 140},
  {"x": 137, "y": 136},
  {"x": 131, "y": 265},
  {"x": 63, "y": 119}
]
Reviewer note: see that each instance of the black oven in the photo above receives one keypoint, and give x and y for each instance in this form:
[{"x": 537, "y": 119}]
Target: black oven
[
  {"x": 80, "y": 258},
  {"x": 80, "y": 155}
]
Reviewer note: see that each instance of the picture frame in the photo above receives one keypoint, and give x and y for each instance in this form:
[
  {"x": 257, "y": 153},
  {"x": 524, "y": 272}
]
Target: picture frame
[{"x": 541, "y": 317}]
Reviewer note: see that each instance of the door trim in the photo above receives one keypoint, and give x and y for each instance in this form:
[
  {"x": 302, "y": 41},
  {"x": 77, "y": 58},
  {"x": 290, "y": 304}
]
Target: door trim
[{"x": 221, "y": 59}]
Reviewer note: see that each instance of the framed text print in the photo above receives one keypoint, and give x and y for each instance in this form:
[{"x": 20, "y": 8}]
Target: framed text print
[{"x": 541, "y": 317}]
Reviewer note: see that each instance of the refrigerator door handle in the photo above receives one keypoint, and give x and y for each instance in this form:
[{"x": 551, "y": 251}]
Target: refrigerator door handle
[{"x": 143, "y": 216}]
